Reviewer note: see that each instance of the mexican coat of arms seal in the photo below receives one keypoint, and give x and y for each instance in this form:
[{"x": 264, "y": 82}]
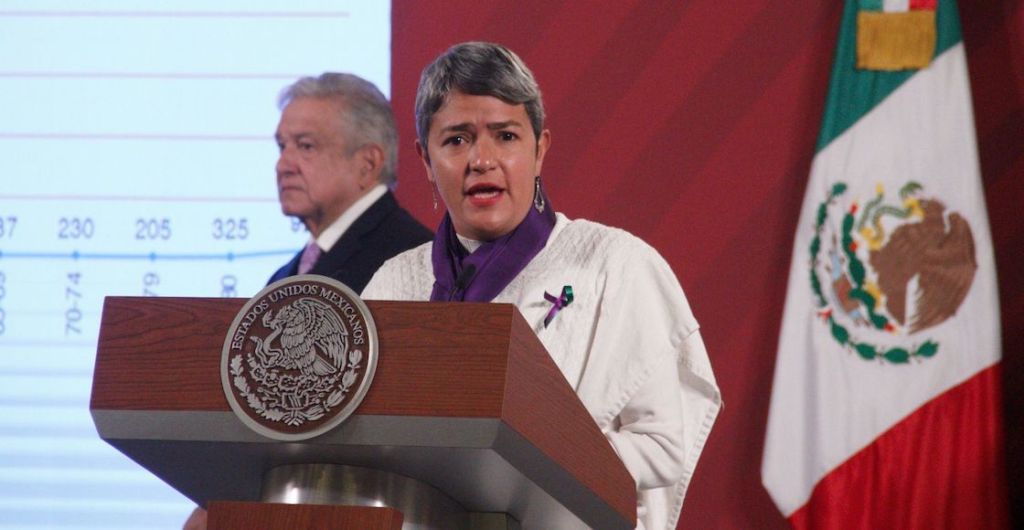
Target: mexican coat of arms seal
[{"x": 299, "y": 357}]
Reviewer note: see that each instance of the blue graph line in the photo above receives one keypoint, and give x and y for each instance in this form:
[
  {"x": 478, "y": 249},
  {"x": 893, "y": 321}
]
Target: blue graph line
[{"x": 146, "y": 256}]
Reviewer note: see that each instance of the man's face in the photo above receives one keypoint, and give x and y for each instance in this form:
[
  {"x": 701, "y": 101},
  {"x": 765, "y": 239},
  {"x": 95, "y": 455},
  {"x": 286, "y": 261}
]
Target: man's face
[
  {"x": 317, "y": 180},
  {"x": 483, "y": 156}
]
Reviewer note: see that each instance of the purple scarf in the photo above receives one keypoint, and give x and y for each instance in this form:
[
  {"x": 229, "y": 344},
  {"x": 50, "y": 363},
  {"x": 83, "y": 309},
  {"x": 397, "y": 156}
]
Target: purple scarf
[{"x": 480, "y": 276}]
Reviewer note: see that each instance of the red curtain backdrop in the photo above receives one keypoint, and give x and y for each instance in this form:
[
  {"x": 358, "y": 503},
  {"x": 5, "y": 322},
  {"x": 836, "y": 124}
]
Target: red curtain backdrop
[{"x": 692, "y": 125}]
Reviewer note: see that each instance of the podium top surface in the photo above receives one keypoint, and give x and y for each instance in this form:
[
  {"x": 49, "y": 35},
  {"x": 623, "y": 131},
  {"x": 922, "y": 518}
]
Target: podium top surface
[{"x": 450, "y": 377}]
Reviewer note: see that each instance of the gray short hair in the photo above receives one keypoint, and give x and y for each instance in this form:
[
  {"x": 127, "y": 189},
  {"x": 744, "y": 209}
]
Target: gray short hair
[
  {"x": 479, "y": 69},
  {"x": 366, "y": 117}
]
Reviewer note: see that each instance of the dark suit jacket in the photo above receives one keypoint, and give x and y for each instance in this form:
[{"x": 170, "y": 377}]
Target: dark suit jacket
[{"x": 383, "y": 231}]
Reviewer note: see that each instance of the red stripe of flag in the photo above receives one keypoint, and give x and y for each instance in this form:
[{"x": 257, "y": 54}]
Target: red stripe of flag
[{"x": 941, "y": 467}]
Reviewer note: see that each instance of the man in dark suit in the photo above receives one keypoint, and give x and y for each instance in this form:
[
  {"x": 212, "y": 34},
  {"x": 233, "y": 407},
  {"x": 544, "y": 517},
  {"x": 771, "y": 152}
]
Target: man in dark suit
[
  {"x": 336, "y": 169},
  {"x": 339, "y": 152}
]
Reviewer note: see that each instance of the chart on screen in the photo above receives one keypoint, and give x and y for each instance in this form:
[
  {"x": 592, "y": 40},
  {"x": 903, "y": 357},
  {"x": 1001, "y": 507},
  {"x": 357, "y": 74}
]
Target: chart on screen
[{"x": 138, "y": 158}]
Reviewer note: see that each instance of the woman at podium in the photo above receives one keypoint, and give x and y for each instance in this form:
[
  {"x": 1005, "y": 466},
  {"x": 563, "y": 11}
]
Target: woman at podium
[{"x": 606, "y": 305}]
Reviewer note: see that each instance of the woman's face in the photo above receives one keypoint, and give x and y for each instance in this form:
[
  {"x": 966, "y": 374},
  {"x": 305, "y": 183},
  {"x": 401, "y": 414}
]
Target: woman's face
[{"x": 482, "y": 157}]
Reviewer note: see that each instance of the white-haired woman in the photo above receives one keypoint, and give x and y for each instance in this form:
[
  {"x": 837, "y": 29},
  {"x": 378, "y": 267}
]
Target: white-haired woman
[{"x": 606, "y": 305}]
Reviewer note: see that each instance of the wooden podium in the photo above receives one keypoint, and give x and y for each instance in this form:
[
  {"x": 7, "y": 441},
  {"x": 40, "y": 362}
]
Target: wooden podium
[{"x": 465, "y": 399}]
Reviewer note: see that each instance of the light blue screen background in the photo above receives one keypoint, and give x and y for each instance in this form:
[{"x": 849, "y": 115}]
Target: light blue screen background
[{"x": 136, "y": 140}]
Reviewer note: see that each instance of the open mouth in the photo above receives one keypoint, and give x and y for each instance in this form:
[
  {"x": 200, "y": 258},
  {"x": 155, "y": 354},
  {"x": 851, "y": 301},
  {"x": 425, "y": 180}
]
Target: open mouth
[{"x": 484, "y": 191}]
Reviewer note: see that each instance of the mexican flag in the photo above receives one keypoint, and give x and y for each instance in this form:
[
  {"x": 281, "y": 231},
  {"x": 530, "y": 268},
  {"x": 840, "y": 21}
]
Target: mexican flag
[{"x": 885, "y": 408}]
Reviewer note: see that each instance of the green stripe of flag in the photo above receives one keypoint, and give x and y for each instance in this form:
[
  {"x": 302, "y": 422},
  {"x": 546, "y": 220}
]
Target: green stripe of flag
[
  {"x": 852, "y": 92},
  {"x": 871, "y": 5}
]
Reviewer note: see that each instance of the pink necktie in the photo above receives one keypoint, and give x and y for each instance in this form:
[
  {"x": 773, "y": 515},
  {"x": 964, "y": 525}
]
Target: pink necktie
[{"x": 309, "y": 256}]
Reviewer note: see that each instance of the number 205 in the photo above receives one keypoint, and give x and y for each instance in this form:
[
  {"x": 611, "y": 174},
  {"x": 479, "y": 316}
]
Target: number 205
[{"x": 149, "y": 229}]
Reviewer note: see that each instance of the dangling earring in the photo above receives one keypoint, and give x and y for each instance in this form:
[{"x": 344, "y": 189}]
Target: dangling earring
[
  {"x": 538, "y": 195},
  {"x": 433, "y": 193}
]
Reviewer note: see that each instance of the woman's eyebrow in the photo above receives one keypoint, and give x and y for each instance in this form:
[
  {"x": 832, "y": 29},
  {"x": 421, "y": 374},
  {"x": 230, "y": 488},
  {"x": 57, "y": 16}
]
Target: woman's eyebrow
[
  {"x": 504, "y": 124},
  {"x": 458, "y": 127}
]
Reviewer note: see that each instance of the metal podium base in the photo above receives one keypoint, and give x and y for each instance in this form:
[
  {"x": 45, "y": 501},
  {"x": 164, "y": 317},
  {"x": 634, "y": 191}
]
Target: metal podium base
[{"x": 423, "y": 507}]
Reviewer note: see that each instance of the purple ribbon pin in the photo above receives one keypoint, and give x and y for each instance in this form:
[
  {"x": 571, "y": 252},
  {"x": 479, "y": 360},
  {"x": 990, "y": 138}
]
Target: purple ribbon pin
[{"x": 557, "y": 303}]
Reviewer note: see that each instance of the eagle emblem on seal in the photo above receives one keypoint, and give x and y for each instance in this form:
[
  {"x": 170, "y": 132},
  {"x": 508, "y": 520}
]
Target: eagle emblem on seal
[
  {"x": 312, "y": 339},
  {"x": 299, "y": 357}
]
